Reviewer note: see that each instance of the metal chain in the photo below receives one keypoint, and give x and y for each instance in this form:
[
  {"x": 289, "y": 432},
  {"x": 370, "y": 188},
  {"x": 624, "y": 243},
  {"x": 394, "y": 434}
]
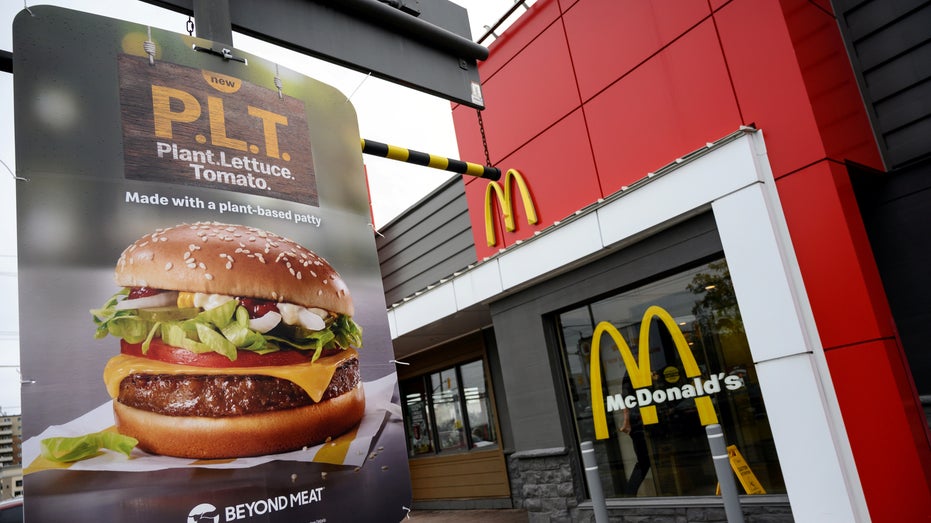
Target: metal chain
[
  {"x": 481, "y": 128},
  {"x": 190, "y": 26}
]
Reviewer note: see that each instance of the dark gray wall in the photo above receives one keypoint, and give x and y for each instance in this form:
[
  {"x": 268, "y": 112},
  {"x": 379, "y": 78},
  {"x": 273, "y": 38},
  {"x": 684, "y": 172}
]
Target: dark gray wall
[
  {"x": 430, "y": 241},
  {"x": 526, "y": 340},
  {"x": 889, "y": 43},
  {"x": 897, "y": 214}
]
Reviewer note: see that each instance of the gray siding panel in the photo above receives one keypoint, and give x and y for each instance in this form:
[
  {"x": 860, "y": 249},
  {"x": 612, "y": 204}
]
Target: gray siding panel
[
  {"x": 867, "y": 16},
  {"x": 430, "y": 241},
  {"x": 912, "y": 141},
  {"x": 897, "y": 75},
  {"x": 889, "y": 45},
  {"x": 899, "y": 113},
  {"x": 897, "y": 210},
  {"x": 428, "y": 268},
  {"x": 879, "y": 46},
  {"x": 421, "y": 219},
  {"x": 421, "y": 239}
]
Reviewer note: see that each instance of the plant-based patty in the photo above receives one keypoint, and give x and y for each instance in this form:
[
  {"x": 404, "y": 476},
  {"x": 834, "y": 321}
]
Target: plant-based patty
[{"x": 226, "y": 395}]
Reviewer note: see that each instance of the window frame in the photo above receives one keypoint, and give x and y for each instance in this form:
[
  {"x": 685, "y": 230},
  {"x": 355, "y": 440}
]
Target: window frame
[
  {"x": 558, "y": 346},
  {"x": 424, "y": 379}
]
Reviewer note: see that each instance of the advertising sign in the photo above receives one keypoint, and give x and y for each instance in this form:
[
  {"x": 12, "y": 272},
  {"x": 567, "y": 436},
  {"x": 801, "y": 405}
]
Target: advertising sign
[
  {"x": 236, "y": 133},
  {"x": 202, "y": 317}
]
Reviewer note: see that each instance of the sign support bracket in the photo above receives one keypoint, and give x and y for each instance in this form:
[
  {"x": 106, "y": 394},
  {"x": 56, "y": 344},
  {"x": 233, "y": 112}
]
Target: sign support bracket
[{"x": 213, "y": 21}]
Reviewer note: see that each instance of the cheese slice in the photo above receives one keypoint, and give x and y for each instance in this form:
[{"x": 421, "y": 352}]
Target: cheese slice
[{"x": 314, "y": 378}]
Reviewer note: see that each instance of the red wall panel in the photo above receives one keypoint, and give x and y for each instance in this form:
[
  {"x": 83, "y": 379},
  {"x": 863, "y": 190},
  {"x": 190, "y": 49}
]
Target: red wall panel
[
  {"x": 518, "y": 36},
  {"x": 831, "y": 85},
  {"x": 608, "y": 38},
  {"x": 770, "y": 89},
  {"x": 560, "y": 173},
  {"x": 716, "y": 4},
  {"x": 533, "y": 92},
  {"x": 793, "y": 80},
  {"x": 834, "y": 256},
  {"x": 565, "y": 5},
  {"x": 879, "y": 408},
  {"x": 673, "y": 104}
]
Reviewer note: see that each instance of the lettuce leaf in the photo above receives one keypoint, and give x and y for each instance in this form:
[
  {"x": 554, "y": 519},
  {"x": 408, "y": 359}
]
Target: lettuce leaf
[
  {"x": 65, "y": 450},
  {"x": 219, "y": 316},
  {"x": 348, "y": 333},
  {"x": 223, "y": 330}
]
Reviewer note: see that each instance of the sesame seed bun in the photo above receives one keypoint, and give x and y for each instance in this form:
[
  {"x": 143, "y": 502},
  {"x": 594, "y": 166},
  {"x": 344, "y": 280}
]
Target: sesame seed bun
[{"x": 233, "y": 260}]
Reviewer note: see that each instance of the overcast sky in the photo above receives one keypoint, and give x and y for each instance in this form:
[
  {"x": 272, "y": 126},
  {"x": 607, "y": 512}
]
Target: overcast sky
[{"x": 387, "y": 113}]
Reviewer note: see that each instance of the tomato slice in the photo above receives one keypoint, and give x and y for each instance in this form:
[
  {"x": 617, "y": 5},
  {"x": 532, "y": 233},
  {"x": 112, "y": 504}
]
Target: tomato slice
[
  {"x": 158, "y": 350},
  {"x": 142, "y": 292},
  {"x": 258, "y": 308}
]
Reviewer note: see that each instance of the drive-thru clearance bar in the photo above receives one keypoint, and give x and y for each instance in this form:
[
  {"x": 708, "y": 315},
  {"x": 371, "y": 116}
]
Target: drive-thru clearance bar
[{"x": 429, "y": 160}]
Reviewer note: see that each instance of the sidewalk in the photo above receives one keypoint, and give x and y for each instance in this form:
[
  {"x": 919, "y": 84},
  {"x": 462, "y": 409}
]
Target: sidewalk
[{"x": 468, "y": 516}]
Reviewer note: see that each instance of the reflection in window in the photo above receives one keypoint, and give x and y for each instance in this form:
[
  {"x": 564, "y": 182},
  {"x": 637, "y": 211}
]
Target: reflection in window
[
  {"x": 417, "y": 418},
  {"x": 456, "y": 402},
  {"x": 478, "y": 405},
  {"x": 448, "y": 410},
  {"x": 671, "y": 457}
]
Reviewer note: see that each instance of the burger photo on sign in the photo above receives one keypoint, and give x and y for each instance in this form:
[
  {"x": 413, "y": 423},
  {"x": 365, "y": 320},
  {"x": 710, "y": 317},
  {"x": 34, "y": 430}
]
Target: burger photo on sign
[{"x": 234, "y": 342}]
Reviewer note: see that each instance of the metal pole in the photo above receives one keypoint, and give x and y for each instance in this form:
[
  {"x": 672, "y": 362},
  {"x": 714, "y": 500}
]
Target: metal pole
[
  {"x": 384, "y": 16},
  {"x": 594, "y": 482},
  {"x": 722, "y": 467},
  {"x": 6, "y": 61},
  {"x": 401, "y": 154},
  {"x": 212, "y": 21}
]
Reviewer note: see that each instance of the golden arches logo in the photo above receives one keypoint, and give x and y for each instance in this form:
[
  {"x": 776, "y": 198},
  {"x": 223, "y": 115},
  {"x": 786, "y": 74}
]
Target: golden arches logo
[
  {"x": 505, "y": 201},
  {"x": 639, "y": 369}
]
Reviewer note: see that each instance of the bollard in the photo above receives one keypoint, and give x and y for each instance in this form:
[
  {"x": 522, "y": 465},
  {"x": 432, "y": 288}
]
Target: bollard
[
  {"x": 722, "y": 467},
  {"x": 594, "y": 482}
]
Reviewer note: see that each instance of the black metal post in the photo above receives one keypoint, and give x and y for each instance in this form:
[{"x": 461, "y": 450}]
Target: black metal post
[
  {"x": 429, "y": 160},
  {"x": 212, "y": 21}
]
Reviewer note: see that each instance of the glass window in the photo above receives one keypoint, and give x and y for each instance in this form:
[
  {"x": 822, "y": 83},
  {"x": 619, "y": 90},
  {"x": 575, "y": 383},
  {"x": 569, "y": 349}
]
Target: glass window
[
  {"x": 478, "y": 405},
  {"x": 654, "y": 443},
  {"x": 448, "y": 410},
  {"x": 417, "y": 418},
  {"x": 455, "y": 401}
]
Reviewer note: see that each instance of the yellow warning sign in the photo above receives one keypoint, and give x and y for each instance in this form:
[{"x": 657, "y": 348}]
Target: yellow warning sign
[{"x": 744, "y": 473}]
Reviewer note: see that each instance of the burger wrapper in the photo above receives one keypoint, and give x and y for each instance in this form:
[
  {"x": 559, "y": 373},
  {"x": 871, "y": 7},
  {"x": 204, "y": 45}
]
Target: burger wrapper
[{"x": 350, "y": 449}]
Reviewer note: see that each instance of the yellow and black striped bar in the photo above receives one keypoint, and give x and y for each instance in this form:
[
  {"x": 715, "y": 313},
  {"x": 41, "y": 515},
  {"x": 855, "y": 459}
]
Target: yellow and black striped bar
[{"x": 429, "y": 160}]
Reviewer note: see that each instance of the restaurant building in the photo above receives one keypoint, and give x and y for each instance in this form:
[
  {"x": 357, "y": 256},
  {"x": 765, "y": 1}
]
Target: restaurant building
[{"x": 713, "y": 212}]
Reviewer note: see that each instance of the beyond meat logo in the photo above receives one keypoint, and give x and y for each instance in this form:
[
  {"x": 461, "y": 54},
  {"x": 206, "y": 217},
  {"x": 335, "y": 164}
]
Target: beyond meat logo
[
  {"x": 203, "y": 513},
  {"x": 207, "y": 513},
  {"x": 197, "y": 127}
]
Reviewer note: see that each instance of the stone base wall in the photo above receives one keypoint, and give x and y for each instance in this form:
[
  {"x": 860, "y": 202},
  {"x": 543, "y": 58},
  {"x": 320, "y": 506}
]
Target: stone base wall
[
  {"x": 546, "y": 483},
  {"x": 775, "y": 513},
  {"x": 543, "y": 483}
]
